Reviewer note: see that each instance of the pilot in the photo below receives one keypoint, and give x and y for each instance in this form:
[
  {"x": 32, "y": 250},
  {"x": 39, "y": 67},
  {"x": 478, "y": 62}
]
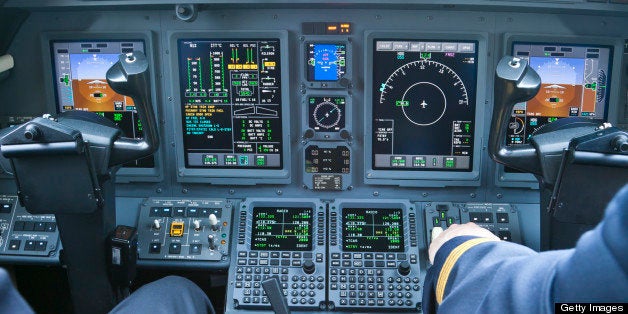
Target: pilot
[{"x": 473, "y": 271}]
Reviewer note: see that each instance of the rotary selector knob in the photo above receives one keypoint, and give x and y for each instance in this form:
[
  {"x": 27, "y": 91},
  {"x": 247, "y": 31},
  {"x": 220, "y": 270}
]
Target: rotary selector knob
[
  {"x": 404, "y": 268},
  {"x": 309, "y": 267}
]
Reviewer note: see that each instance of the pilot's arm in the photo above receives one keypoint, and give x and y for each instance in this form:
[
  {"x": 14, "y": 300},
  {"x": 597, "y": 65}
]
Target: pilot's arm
[{"x": 475, "y": 272}]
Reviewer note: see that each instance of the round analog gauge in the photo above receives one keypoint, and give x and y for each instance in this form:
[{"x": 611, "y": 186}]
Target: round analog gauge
[{"x": 423, "y": 90}]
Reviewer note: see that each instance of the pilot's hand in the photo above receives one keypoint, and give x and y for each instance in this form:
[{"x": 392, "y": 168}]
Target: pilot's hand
[{"x": 455, "y": 230}]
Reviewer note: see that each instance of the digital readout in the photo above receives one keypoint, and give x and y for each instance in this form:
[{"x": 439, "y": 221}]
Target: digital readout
[
  {"x": 372, "y": 230},
  {"x": 281, "y": 229}
]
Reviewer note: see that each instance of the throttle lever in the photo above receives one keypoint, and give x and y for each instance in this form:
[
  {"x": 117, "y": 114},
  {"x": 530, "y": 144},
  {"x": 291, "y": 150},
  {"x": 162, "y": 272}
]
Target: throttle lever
[
  {"x": 130, "y": 76},
  {"x": 515, "y": 82}
]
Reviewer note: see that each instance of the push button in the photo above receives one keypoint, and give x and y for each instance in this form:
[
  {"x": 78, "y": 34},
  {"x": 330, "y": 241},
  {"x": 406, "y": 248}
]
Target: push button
[
  {"x": 14, "y": 245},
  {"x": 502, "y": 218},
  {"x": 41, "y": 245},
  {"x": 39, "y": 226},
  {"x": 195, "y": 249},
  {"x": 51, "y": 226},
  {"x": 154, "y": 248},
  {"x": 18, "y": 226},
  {"x": 175, "y": 248}
]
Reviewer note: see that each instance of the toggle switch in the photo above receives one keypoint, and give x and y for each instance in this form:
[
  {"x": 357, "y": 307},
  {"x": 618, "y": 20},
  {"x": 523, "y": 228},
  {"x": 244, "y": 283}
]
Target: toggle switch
[
  {"x": 213, "y": 222},
  {"x": 212, "y": 244}
]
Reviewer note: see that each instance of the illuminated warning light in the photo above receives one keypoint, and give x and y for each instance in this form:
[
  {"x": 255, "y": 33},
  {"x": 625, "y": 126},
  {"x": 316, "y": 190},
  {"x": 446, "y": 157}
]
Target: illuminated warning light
[
  {"x": 332, "y": 27},
  {"x": 345, "y": 28},
  {"x": 555, "y": 99},
  {"x": 270, "y": 63}
]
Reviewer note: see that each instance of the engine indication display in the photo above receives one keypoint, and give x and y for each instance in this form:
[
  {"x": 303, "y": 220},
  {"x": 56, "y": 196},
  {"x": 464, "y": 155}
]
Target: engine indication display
[
  {"x": 327, "y": 160},
  {"x": 423, "y": 104},
  {"x": 326, "y": 61},
  {"x": 327, "y": 114},
  {"x": 231, "y": 103},
  {"x": 80, "y": 84},
  {"x": 575, "y": 82},
  {"x": 282, "y": 229},
  {"x": 372, "y": 230}
]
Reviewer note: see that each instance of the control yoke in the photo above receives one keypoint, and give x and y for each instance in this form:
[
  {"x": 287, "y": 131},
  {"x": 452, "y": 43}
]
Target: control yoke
[
  {"x": 129, "y": 76},
  {"x": 568, "y": 157},
  {"x": 515, "y": 82},
  {"x": 67, "y": 166}
]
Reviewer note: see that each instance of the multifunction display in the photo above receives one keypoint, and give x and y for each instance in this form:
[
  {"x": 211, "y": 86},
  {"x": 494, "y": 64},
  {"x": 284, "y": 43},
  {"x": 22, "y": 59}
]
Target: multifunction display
[
  {"x": 282, "y": 229},
  {"x": 372, "y": 230},
  {"x": 80, "y": 83},
  {"x": 231, "y": 103},
  {"x": 574, "y": 83},
  {"x": 326, "y": 61},
  {"x": 327, "y": 114},
  {"x": 423, "y": 104}
]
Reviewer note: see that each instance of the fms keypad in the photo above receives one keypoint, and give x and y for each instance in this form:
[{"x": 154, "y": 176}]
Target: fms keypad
[
  {"x": 285, "y": 241},
  {"x": 374, "y": 262}
]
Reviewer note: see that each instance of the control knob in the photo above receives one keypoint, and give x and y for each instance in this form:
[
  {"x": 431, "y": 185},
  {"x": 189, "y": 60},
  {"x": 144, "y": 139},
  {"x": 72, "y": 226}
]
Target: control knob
[
  {"x": 309, "y": 267},
  {"x": 156, "y": 224},
  {"x": 404, "y": 268},
  {"x": 210, "y": 239},
  {"x": 197, "y": 225}
]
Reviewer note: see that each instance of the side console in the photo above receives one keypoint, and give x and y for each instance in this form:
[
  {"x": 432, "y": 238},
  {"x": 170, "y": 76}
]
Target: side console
[
  {"x": 282, "y": 238},
  {"x": 185, "y": 230},
  {"x": 374, "y": 259},
  {"x": 501, "y": 219},
  {"x": 24, "y": 236}
]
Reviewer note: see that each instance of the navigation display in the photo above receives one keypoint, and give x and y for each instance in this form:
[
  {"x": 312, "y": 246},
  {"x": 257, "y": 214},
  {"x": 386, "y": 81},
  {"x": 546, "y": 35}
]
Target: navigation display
[
  {"x": 231, "y": 103},
  {"x": 372, "y": 230},
  {"x": 326, "y": 114},
  {"x": 326, "y": 62},
  {"x": 80, "y": 69},
  {"x": 423, "y": 104},
  {"x": 282, "y": 229},
  {"x": 574, "y": 83}
]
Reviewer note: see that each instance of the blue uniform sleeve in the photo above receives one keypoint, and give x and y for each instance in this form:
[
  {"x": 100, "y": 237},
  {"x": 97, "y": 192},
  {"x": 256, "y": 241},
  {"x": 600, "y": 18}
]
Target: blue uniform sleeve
[
  {"x": 10, "y": 300},
  {"x": 474, "y": 275}
]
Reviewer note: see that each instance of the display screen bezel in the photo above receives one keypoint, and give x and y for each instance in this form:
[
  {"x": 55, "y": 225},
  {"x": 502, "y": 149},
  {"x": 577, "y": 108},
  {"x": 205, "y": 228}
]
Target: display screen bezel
[
  {"x": 125, "y": 174},
  {"x": 518, "y": 179},
  {"x": 436, "y": 177},
  {"x": 244, "y": 176}
]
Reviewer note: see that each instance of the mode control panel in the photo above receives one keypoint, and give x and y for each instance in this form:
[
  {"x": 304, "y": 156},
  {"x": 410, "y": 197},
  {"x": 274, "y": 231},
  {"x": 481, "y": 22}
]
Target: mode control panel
[
  {"x": 374, "y": 256},
  {"x": 25, "y": 234},
  {"x": 285, "y": 239},
  {"x": 501, "y": 219},
  {"x": 184, "y": 229}
]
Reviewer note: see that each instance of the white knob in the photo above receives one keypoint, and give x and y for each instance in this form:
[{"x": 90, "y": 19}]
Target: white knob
[
  {"x": 213, "y": 221},
  {"x": 436, "y": 232},
  {"x": 210, "y": 239},
  {"x": 197, "y": 225},
  {"x": 156, "y": 224}
]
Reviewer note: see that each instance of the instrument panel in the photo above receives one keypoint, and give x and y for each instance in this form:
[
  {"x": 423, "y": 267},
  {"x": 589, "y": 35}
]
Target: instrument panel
[{"x": 326, "y": 142}]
